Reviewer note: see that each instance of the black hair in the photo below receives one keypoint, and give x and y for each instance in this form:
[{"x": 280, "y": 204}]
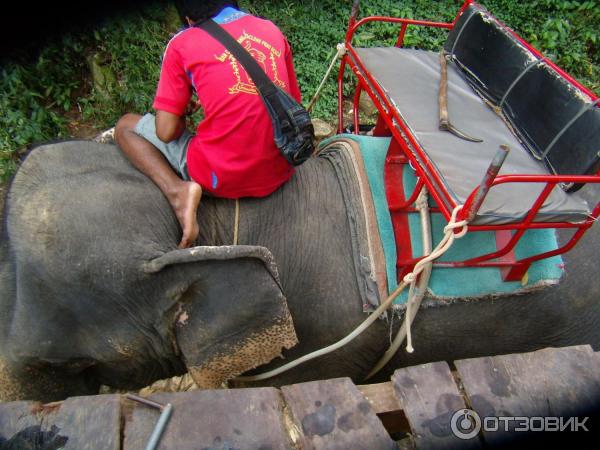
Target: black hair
[{"x": 200, "y": 10}]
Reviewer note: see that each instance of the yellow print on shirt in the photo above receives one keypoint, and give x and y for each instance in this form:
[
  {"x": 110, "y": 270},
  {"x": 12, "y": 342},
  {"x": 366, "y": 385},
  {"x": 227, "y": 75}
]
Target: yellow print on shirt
[{"x": 244, "y": 83}]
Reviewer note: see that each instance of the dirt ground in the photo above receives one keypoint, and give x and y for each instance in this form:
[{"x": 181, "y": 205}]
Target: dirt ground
[{"x": 78, "y": 128}]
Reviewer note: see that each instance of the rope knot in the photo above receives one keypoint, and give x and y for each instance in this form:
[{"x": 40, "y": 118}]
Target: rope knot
[
  {"x": 460, "y": 226},
  {"x": 410, "y": 277},
  {"x": 454, "y": 225}
]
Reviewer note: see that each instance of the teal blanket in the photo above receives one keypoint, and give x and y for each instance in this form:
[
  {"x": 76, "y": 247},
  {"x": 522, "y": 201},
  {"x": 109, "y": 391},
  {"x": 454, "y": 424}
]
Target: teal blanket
[{"x": 452, "y": 283}]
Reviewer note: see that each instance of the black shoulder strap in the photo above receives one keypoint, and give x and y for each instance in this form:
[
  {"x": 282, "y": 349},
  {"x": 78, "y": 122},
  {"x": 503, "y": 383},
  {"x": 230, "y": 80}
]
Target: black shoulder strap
[{"x": 262, "y": 82}]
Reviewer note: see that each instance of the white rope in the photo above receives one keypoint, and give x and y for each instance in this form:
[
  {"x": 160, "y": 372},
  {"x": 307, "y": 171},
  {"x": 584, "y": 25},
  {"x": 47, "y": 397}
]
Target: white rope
[
  {"x": 410, "y": 301},
  {"x": 341, "y": 51},
  {"x": 442, "y": 247},
  {"x": 413, "y": 298},
  {"x": 391, "y": 337},
  {"x": 419, "y": 289},
  {"x": 414, "y": 301},
  {"x": 323, "y": 351},
  {"x": 236, "y": 223}
]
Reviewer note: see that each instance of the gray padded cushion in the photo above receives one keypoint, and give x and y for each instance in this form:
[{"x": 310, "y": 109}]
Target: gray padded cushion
[{"x": 411, "y": 79}]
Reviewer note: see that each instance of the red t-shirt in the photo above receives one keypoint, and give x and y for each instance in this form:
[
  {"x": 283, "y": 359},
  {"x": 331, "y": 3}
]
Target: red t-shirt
[{"x": 233, "y": 153}]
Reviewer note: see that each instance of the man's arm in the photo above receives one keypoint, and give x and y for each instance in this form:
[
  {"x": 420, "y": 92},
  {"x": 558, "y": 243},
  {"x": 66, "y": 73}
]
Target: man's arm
[
  {"x": 169, "y": 126},
  {"x": 173, "y": 100}
]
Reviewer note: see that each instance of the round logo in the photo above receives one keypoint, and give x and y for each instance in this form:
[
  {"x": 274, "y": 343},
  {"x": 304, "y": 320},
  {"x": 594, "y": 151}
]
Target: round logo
[{"x": 465, "y": 424}]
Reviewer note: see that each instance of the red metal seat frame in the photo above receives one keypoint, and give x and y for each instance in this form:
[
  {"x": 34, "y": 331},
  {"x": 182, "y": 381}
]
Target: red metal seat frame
[{"x": 404, "y": 149}]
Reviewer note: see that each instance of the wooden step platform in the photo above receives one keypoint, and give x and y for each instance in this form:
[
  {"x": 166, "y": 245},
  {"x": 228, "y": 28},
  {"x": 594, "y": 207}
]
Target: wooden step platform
[{"x": 415, "y": 409}]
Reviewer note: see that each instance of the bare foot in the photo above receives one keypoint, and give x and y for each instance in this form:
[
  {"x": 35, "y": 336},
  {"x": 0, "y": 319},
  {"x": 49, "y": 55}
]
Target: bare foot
[{"x": 185, "y": 204}]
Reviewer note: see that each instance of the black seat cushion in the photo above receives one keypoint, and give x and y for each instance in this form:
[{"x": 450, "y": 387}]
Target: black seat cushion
[{"x": 557, "y": 121}]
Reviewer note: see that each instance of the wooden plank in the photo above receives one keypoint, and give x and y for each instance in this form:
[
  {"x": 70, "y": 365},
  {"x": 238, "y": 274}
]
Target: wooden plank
[
  {"x": 384, "y": 402},
  {"x": 16, "y": 417},
  {"x": 380, "y": 396},
  {"x": 83, "y": 423},
  {"x": 430, "y": 398},
  {"x": 552, "y": 382},
  {"x": 213, "y": 419},
  {"x": 89, "y": 423},
  {"x": 333, "y": 414}
]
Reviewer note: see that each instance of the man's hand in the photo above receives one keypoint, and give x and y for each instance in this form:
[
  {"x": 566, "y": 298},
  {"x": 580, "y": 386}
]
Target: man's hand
[{"x": 192, "y": 107}]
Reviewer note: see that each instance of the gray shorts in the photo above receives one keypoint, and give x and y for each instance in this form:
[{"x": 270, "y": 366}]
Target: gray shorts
[{"x": 175, "y": 151}]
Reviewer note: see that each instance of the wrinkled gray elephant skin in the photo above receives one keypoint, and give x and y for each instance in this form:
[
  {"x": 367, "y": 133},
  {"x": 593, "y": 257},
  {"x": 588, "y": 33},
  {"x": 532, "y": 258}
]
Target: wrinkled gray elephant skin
[{"x": 93, "y": 289}]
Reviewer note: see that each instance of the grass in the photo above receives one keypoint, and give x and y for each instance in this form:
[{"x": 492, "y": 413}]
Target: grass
[{"x": 54, "y": 95}]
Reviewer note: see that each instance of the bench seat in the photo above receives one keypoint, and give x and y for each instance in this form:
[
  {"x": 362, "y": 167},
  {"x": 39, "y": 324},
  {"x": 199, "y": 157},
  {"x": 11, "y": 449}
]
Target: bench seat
[{"x": 410, "y": 78}]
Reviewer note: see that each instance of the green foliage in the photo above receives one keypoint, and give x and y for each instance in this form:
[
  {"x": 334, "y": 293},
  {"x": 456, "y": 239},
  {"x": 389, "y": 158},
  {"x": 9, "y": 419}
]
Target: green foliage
[
  {"x": 568, "y": 32},
  {"x": 128, "y": 49},
  {"x": 38, "y": 99},
  {"x": 34, "y": 98}
]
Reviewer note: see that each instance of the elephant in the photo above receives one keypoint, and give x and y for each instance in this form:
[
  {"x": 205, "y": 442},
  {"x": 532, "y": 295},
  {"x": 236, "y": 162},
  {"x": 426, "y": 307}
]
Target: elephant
[{"x": 94, "y": 290}]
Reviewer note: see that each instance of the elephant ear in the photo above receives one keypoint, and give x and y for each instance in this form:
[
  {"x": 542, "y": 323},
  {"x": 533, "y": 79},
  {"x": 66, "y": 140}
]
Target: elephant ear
[{"x": 234, "y": 315}]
